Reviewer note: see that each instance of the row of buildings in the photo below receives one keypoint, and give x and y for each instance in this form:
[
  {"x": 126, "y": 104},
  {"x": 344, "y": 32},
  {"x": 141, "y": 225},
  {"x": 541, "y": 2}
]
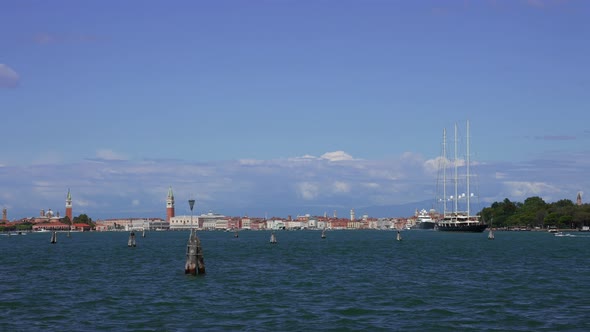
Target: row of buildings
[{"x": 48, "y": 220}]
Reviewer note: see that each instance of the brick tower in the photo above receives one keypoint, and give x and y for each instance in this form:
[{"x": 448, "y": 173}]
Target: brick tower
[
  {"x": 169, "y": 205},
  {"x": 69, "y": 205}
]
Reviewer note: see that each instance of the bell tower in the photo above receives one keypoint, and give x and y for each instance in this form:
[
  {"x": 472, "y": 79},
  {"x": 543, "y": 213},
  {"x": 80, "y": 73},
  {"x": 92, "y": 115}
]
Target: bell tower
[
  {"x": 169, "y": 205},
  {"x": 69, "y": 205}
]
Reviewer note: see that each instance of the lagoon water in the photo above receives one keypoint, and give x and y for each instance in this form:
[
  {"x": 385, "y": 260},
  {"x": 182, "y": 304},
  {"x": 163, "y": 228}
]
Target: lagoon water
[{"x": 350, "y": 281}]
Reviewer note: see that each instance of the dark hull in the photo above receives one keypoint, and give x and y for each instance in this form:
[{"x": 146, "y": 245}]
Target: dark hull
[
  {"x": 424, "y": 225},
  {"x": 462, "y": 227}
]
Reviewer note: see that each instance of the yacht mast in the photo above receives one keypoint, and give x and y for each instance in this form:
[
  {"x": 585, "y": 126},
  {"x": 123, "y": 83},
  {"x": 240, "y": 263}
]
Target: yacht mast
[
  {"x": 444, "y": 161},
  {"x": 456, "y": 200},
  {"x": 468, "y": 190}
]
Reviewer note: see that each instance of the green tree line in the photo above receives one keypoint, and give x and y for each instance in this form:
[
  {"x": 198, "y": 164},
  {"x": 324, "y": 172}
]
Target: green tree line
[{"x": 534, "y": 212}]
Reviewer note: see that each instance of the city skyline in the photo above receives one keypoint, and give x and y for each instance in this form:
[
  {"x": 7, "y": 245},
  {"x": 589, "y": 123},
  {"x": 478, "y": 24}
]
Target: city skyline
[{"x": 287, "y": 107}]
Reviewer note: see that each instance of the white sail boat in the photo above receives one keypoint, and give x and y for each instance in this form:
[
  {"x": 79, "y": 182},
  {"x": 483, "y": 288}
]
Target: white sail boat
[{"x": 455, "y": 220}]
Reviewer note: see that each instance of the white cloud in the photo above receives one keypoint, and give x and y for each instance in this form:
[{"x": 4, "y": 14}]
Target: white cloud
[
  {"x": 307, "y": 190},
  {"x": 527, "y": 189},
  {"x": 107, "y": 154},
  {"x": 250, "y": 162},
  {"x": 341, "y": 187},
  {"x": 8, "y": 77},
  {"x": 104, "y": 189},
  {"x": 336, "y": 156}
]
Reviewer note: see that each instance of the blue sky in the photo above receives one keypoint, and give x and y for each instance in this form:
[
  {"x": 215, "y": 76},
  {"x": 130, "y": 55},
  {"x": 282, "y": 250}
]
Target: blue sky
[{"x": 287, "y": 107}]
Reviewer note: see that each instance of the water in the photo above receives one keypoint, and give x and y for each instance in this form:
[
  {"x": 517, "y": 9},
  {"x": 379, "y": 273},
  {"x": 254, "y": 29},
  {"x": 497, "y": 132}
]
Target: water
[{"x": 353, "y": 280}]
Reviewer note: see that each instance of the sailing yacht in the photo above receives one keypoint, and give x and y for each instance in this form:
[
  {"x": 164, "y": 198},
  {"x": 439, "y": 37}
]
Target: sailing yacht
[{"x": 455, "y": 220}]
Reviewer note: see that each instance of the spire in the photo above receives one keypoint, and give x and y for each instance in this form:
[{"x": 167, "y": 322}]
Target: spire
[
  {"x": 69, "y": 197},
  {"x": 170, "y": 194}
]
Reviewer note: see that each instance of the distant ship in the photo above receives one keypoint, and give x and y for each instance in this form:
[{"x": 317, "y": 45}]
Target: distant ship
[
  {"x": 455, "y": 220},
  {"x": 424, "y": 221}
]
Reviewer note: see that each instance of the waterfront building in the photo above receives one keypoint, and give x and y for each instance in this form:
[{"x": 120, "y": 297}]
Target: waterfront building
[
  {"x": 245, "y": 223},
  {"x": 212, "y": 221},
  {"x": 183, "y": 222},
  {"x": 275, "y": 224},
  {"x": 132, "y": 224}
]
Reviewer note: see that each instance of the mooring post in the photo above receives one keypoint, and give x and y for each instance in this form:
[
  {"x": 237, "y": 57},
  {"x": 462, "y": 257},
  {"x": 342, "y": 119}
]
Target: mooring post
[
  {"x": 273, "y": 238},
  {"x": 399, "y": 236},
  {"x": 195, "y": 263},
  {"x": 54, "y": 237},
  {"x": 131, "y": 242}
]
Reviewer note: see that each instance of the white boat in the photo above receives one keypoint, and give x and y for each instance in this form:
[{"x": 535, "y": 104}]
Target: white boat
[{"x": 423, "y": 220}]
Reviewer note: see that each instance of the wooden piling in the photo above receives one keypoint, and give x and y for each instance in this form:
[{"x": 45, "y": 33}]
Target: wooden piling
[
  {"x": 273, "y": 238},
  {"x": 131, "y": 241},
  {"x": 195, "y": 263},
  {"x": 399, "y": 236},
  {"x": 54, "y": 237}
]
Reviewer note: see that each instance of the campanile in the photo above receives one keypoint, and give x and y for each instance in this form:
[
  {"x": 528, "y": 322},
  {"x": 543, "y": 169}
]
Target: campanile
[{"x": 169, "y": 205}]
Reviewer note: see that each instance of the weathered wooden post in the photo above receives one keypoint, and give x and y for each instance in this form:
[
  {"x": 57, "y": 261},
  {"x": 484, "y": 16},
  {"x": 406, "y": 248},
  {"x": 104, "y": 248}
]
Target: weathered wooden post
[
  {"x": 195, "y": 263},
  {"x": 54, "y": 237},
  {"x": 131, "y": 242},
  {"x": 399, "y": 236},
  {"x": 273, "y": 238}
]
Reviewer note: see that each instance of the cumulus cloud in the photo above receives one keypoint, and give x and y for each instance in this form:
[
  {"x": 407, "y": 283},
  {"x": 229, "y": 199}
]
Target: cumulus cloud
[
  {"x": 336, "y": 156},
  {"x": 278, "y": 186},
  {"x": 526, "y": 189},
  {"x": 8, "y": 77},
  {"x": 307, "y": 190}
]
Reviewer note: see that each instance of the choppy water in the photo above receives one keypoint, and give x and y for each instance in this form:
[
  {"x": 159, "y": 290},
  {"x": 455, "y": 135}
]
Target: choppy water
[{"x": 353, "y": 280}]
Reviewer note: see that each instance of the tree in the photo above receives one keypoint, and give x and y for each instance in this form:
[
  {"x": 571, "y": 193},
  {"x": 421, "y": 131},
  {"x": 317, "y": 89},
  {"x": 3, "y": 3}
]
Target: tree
[
  {"x": 66, "y": 220},
  {"x": 83, "y": 219}
]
